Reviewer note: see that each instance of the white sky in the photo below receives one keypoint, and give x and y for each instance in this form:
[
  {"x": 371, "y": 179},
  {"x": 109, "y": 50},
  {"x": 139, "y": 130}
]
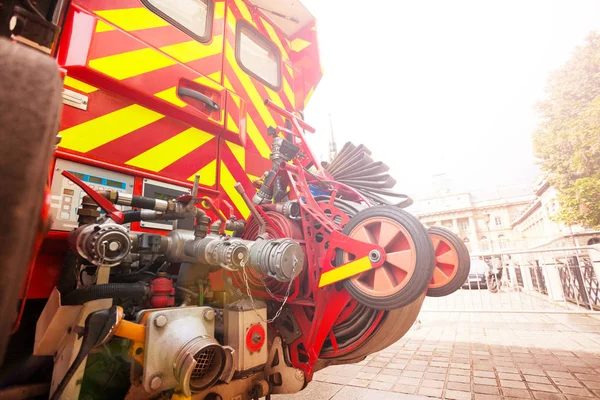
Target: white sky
[{"x": 442, "y": 86}]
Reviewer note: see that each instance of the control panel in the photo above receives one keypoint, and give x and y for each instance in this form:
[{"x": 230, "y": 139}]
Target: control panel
[
  {"x": 165, "y": 191},
  {"x": 67, "y": 196}
]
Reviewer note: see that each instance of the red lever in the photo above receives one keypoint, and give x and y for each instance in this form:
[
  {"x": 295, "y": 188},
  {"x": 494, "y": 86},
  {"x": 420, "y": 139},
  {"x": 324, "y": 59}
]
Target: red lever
[{"x": 108, "y": 207}]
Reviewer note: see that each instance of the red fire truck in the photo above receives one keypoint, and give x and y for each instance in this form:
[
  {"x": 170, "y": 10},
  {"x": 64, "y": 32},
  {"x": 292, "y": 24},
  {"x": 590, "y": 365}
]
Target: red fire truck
[{"x": 166, "y": 230}]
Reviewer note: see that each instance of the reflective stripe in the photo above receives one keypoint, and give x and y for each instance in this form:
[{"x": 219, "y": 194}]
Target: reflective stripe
[
  {"x": 133, "y": 63},
  {"x": 193, "y": 50},
  {"x": 133, "y": 19},
  {"x": 81, "y": 86},
  {"x": 166, "y": 153},
  {"x": 238, "y": 152},
  {"x": 345, "y": 271},
  {"x": 96, "y": 132},
  {"x": 208, "y": 174},
  {"x": 227, "y": 182}
]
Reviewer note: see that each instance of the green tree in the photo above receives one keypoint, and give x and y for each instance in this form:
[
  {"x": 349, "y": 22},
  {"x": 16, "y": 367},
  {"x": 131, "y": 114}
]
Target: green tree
[{"x": 567, "y": 140}]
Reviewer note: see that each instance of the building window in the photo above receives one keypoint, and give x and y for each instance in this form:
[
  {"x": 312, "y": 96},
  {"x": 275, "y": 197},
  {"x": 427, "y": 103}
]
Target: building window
[
  {"x": 258, "y": 56},
  {"x": 194, "y": 17},
  {"x": 463, "y": 225},
  {"x": 594, "y": 240},
  {"x": 498, "y": 221},
  {"x": 503, "y": 241},
  {"x": 483, "y": 242}
]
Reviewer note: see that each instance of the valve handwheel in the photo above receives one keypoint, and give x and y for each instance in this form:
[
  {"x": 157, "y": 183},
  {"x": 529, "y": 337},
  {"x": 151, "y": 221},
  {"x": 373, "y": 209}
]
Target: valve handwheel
[
  {"x": 408, "y": 266},
  {"x": 452, "y": 263}
]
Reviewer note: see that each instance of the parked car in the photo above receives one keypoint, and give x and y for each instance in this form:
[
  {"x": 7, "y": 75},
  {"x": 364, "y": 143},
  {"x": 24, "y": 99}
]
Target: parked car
[{"x": 477, "y": 278}]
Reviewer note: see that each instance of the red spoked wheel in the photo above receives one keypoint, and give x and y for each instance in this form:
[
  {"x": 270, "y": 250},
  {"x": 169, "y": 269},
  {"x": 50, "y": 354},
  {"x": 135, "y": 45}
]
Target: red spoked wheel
[
  {"x": 452, "y": 263},
  {"x": 408, "y": 265}
]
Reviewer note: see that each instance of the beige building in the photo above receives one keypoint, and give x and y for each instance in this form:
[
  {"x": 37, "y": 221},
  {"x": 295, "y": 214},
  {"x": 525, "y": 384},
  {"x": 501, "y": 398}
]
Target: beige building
[
  {"x": 483, "y": 220},
  {"x": 536, "y": 227}
]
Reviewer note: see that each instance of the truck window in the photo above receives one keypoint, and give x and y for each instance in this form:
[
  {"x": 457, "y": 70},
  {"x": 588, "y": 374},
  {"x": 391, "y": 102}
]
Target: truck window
[
  {"x": 258, "y": 56},
  {"x": 194, "y": 17}
]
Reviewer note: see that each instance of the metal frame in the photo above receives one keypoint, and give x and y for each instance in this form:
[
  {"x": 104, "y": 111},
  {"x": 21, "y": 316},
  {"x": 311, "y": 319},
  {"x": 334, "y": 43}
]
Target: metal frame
[{"x": 550, "y": 281}]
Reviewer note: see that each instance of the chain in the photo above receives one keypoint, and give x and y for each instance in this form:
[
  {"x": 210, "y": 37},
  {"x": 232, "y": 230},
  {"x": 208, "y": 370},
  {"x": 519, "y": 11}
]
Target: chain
[{"x": 287, "y": 294}]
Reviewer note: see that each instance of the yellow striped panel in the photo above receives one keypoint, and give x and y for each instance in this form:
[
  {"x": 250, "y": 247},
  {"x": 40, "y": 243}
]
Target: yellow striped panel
[
  {"x": 133, "y": 63},
  {"x": 231, "y": 125},
  {"x": 255, "y": 97},
  {"x": 170, "y": 95},
  {"x": 238, "y": 152},
  {"x": 299, "y": 44},
  {"x": 274, "y": 97},
  {"x": 227, "y": 181},
  {"x": 289, "y": 93},
  {"x": 96, "y": 132},
  {"x": 345, "y": 271},
  {"x": 81, "y": 86},
  {"x": 219, "y": 10},
  {"x": 211, "y": 81},
  {"x": 166, "y": 153},
  {"x": 257, "y": 138},
  {"x": 275, "y": 39},
  {"x": 231, "y": 19},
  {"x": 290, "y": 70},
  {"x": 193, "y": 50},
  {"x": 208, "y": 174},
  {"x": 102, "y": 26},
  {"x": 133, "y": 19},
  {"x": 245, "y": 12},
  {"x": 308, "y": 96}
]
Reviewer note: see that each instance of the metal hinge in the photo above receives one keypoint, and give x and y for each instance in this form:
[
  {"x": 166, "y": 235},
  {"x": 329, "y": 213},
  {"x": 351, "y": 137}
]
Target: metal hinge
[{"x": 75, "y": 99}]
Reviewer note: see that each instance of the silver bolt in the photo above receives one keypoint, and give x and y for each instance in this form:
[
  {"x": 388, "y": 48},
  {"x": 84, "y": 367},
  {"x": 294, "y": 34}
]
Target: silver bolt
[
  {"x": 114, "y": 246},
  {"x": 160, "y": 321},
  {"x": 256, "y": 337},
  {"x": 209, "y": 315},
  {"x": 156, "y": 382},
  {"x": 374, "y": 255}
]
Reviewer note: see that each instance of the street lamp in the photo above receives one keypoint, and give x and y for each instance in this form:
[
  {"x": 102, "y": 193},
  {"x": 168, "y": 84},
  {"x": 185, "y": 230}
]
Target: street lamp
[{"x": 486, "y": 219}]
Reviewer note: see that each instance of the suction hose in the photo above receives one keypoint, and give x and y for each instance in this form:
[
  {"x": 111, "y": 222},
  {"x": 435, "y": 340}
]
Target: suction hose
[{"x": 105, "y": 291}]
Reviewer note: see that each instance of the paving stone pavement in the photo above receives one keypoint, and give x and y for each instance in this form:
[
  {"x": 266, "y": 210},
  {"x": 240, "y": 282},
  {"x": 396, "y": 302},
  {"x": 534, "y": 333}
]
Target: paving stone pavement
[{"x": 475, "y": 356}]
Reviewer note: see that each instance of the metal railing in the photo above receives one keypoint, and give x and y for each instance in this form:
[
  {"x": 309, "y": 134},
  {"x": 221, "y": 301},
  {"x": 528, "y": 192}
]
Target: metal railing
[{"x": 561, "y": 280}]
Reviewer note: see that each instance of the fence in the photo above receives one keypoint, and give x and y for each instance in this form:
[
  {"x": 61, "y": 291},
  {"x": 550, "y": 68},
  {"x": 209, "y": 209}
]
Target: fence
[{"x": 561, "y": 280}]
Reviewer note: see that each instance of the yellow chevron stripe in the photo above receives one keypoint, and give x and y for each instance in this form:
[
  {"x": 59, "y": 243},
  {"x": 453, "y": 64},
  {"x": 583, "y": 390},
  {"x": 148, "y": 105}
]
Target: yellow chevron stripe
[
  {"x": 238, "y": 152},
  {"x": 81, "y": 86},
  {"x": 133, "y": 63},
  {"x": 274, "y": 97},
  {"x": 213, "y": 82},
  {"x": 227, "y": 181},
  {"x": 193, "y": 50},
  {"x": 102, "y": 26},
  {"x": 96, "y": 132},
  {"x": 273, "y": 35},
  {"x": 170, "y": 95},
  {"x": 219, "y": 10},
  {"x": 245, "y": 12},
  {"x": 208, "y": 174},
  {"x": 133, "y": 19},
  {"x": 289, "y": 93},
  {"x": 290, "y": 70},
  {"x": 308, "y": 96},
  {"x": 231, "y": 125},
  {"x": 299, "y": 44},
  {"x": 255, "y": 97},
  {"x": 257, "y": 138},
  {"x": 231, "y": 19},
  {"x": 166, "y": 153}
]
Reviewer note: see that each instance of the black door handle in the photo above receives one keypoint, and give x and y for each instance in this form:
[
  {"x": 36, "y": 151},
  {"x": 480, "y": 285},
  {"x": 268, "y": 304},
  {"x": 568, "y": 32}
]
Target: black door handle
[{"x": 196, "y": 95}]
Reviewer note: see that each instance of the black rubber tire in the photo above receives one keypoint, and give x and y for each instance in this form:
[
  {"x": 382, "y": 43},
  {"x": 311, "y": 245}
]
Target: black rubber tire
[
  {"x": 417, "y": 285},
  {"x": 30, "y": 105},
  {"x": 464, "y": 263}
]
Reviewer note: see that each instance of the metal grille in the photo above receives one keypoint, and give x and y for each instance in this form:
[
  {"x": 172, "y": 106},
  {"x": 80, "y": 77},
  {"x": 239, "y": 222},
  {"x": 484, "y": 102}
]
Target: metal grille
[
  {"x": 204, "y": 360},
  {"x": 560, "y": 280}
]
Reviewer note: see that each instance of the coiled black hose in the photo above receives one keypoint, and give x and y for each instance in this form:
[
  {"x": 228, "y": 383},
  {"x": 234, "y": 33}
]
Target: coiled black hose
[{"x": 105, "y": 291}]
